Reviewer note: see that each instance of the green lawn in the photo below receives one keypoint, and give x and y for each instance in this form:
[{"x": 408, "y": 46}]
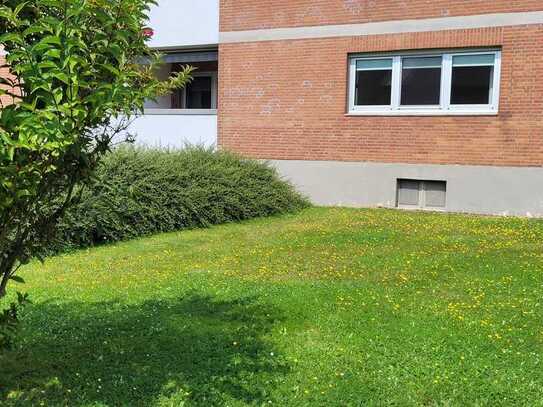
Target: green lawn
[{"x": 330, "y": 307}]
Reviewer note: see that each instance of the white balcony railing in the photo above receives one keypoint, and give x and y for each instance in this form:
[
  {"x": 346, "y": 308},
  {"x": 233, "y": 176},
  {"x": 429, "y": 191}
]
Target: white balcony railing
[{"x": 169, "y": 129}]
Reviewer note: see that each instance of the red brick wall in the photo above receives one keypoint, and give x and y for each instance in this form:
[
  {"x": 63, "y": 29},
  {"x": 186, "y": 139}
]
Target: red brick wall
[
  {"x": 287, "y": 100},
  {"x": 254, "y": 14},
  {"x": 4, "y": 73}
]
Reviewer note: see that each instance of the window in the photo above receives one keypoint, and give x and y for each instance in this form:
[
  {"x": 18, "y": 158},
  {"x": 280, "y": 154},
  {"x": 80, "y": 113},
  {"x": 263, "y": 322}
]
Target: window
[
  {"x": 200, "y": 93},
  {"x": 373, "y": 82},
  {"x": 472, "y": 79},
  {"x": 425, "y": 83},
  {"x": 421, "y": 194},
  {"x": 421, "y": 81},
  {"x": 199, "y": 97}
]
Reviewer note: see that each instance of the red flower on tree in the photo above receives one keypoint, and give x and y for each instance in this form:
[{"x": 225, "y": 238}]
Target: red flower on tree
[{"x": 148, "y": 32}]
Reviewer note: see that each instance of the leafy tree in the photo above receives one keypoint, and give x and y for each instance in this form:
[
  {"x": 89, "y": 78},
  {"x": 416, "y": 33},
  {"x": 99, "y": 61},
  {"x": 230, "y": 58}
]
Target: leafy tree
[{"x": 76, "y": 79}]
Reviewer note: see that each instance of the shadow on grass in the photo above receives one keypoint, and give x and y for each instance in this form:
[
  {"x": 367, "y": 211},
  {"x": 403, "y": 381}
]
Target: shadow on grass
[{"x": 194, "y": 350}]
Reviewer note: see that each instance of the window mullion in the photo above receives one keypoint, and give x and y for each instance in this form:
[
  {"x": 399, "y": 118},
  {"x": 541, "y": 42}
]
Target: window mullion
[
  {"x": 352, "y": 87},
  {"x": 446, "y": 82},
  {"x": 214, "y": 91},
  {"x": 495, "y": 97},
  {"x": 396, "y": 82},
  {"x": 422, "y": 202}
]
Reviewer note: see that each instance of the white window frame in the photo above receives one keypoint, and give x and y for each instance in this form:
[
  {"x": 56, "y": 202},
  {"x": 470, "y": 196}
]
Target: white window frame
[
  {"x": 445, "y": 107},
  {"x": 354, "y": 70}
]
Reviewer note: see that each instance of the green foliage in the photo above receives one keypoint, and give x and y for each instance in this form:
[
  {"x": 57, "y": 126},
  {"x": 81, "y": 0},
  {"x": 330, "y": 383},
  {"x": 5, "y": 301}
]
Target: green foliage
[
  {"x": 75, "y": 82},
  {"x": 9, "y": 320},
  {"x": 326, "y": 307},
  {"x": 143, "y": 191}
]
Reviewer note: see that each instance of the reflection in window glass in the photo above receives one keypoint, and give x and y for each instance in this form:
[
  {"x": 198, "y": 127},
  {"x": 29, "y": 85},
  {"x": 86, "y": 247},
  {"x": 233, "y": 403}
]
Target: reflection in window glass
[
  {"x": 435, "y": 193},
  {"x": 373, "y": 88},
  {"x": 471, "y": 82},
  {"x": 421, "y": 81},
  {"x": 373, "y": 82},
  {"x": 408, "y": 192},
  {"x": 199, "y": 93}
]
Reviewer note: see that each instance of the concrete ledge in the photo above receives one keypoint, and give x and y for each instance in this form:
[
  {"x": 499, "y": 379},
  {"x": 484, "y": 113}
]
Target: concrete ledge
[
  {"x": 516, "y": 191},
  {"x": 386, "y": 27},
  {"x": 423, "y": 113},
  {"x": 180, "y": 112}
]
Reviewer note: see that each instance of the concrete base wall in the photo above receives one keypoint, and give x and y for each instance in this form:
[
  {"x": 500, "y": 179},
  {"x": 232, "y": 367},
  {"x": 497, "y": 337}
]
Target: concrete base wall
[{"x": 474, "y": 189}]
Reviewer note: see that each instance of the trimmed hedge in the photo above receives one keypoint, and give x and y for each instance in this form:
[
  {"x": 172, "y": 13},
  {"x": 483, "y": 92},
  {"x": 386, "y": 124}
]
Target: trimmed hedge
[{"x": 142, "y": 191}]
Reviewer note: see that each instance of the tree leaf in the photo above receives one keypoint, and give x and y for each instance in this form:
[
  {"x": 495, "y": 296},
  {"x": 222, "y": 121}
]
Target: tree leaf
[{"x": 17, "y": 279}]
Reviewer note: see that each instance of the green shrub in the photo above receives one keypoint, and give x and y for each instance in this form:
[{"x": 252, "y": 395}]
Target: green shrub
[
  {"x": 9, "y": 321},
  {"x": 142, "y": 191}
]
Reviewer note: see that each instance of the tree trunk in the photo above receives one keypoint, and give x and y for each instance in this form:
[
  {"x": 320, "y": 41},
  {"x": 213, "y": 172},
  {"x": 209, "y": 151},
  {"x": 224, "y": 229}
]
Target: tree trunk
[
  {"x": 6, "y": 268},
  {"x": 3, "y": 292}
]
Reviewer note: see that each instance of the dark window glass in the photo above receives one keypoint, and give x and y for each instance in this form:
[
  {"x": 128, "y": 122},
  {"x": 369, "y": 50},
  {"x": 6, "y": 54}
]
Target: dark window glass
[
  {"x": 421, "y": 81},
  {"x": 373, "y": 88},
  {"x": 199, "y": 93},
  {"x": 421, "y": 86},
  {"x": 471, "y": 85},
  {"x": 177, "y": 99}
]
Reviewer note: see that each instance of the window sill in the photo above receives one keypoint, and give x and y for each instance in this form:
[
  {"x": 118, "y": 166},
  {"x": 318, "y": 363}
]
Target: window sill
[
  {"x": 421, "y": 208},
  {"x": 423, "y": 113},
  {"x": 180, "y": 112}
]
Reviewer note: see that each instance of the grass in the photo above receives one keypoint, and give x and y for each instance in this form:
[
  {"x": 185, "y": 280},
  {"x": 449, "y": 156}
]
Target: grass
[{"x": 330, "y": 307}]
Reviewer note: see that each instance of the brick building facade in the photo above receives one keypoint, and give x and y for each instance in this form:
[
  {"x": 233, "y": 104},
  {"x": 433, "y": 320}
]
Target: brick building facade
[{"x": 464, "y": 128}]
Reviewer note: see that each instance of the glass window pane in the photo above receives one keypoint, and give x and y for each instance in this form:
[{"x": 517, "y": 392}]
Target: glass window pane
[
  {"x": 422, "y": 62},
  {"x": 421, "y": 81},
  {"x": 466, "y": 60},
  {"x": 408, "y": 192},
  {"x": 435, "y": 193},
  {"x": 470, "y": 85},
  {"x": 199, "y": 93},
  {"x": 373, "y": 88},
  {"x": 374, "y": 64}
]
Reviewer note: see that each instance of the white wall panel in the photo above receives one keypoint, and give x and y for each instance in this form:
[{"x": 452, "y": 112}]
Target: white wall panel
[
  {"x": 174, "y": 131},
  {"x": 185, "y": 23}
]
